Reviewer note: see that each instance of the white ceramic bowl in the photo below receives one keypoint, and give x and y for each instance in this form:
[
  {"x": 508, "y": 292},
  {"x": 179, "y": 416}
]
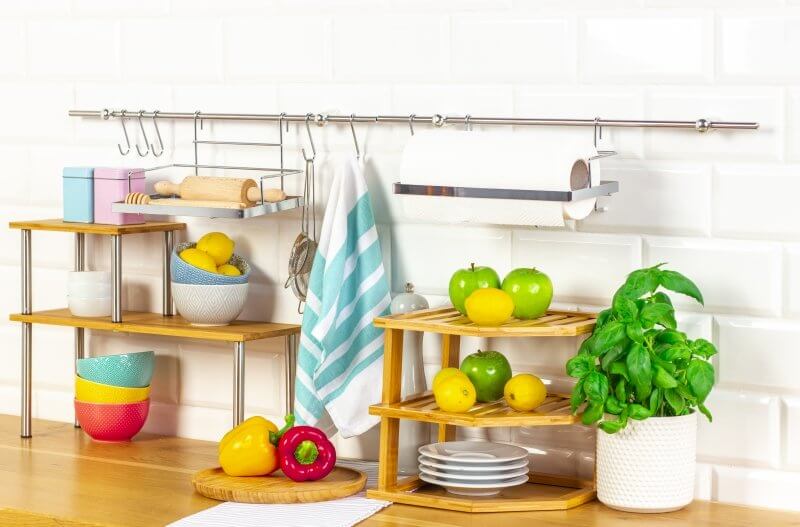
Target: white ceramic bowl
[
  {"x": 89, "y": 307},
  {"x": 209, "y": 305},
  {"x": 89, "y": 284}
]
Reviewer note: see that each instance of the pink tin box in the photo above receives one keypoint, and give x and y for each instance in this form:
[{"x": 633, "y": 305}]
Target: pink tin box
[{"x": 113, "y": 184}]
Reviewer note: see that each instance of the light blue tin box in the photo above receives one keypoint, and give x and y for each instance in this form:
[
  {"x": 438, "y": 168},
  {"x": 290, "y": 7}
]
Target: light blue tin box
[{"x": 78, "y": 183}]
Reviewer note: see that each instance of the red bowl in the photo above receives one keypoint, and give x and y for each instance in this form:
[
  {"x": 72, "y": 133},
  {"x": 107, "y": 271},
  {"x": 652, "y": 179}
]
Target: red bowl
[{"x": 112, "y": 422}]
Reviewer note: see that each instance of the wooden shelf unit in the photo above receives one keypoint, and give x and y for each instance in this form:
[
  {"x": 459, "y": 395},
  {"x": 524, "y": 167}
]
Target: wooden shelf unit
[
  {"x": 543, "y": 491},
  {"x": 162, "y": 324},
  {"x": 158, "y": 324}
]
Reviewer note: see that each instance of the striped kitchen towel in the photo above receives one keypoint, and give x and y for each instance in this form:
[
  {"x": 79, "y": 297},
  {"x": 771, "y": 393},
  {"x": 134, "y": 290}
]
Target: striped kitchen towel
[{"x": 340, "y": 360}]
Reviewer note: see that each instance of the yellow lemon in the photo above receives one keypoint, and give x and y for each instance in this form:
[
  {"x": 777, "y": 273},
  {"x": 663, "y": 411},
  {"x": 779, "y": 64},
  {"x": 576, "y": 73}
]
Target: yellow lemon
[
  {"x": 524, "y": 392},
  {"x": 446, "y": 373},
  {"x": 456, "y": 394},
  {"x": 199, "y": 259},
  {"x": 489, "y": 306},
  {"x": 217, "y": 245},
  {"x": 228, "y": 270}
]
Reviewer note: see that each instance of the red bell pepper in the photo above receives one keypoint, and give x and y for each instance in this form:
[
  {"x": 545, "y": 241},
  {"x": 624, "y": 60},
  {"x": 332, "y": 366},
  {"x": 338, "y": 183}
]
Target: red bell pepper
[{"x": 306, "y": 454}]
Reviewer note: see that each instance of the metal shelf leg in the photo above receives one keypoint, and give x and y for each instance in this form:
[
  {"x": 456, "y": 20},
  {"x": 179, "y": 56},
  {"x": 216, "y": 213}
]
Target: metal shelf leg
[
  {"x": 116, "y": 278},
  {"x": 79, "y": 265},
  {"x": 238, "y": 383},
  {"x": 291, "y": 370},
  {"x": 166, "y": 278},
  {"x": 27, "y": 335}
]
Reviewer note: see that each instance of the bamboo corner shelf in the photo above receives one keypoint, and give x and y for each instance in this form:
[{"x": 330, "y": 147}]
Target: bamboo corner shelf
[{"x": 543, "y": 491}]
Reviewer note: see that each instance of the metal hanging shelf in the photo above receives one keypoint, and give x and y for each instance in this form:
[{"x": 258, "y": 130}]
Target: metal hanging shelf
[{"x": 261, "y": 209}]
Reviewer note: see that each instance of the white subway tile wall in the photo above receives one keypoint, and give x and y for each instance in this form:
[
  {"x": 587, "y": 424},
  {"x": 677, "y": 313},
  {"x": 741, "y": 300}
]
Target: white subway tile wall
[{"x": 719, "y": 207}]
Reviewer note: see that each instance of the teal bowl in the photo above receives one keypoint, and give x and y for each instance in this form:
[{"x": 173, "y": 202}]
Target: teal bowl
[{"x": 131, "y": 370}]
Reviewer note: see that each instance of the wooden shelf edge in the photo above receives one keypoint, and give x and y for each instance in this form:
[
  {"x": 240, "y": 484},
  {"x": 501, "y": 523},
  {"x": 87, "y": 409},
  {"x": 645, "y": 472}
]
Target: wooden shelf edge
[
  {"x": 447, "y": 321},
  {"x": 418, "y": 408},
  {"x": 59, "y": 225},
  {"x": 157, "y": 324},
  {"x": 415, "y": 494}
]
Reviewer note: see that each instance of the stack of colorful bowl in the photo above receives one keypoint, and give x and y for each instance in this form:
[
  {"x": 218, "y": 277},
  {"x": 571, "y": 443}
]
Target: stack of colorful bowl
[
  {"x": 206, "y": 298},
  {"x": 112, "y": 394}
]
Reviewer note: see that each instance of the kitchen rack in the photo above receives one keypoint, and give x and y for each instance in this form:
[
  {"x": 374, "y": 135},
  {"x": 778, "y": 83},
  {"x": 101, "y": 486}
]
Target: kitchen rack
[
  {"x": 543, "y": 491},
  {"x": 163, "y": 324},
  {"x": 604, "y": 188}
]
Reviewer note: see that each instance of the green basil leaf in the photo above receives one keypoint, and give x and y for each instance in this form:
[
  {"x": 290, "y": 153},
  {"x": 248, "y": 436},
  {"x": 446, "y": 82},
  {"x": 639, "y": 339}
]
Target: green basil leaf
[
  {"x": 619, "y": 368},
  {"x": 611, "y": 427},
  {"x": 613, "y": 406},
  {"x": 607, "y": 337},
  {"x": 640, "y": 282},
  {"x": 624, "y": 308},
  {"x": 634, "y": 331},
  {"x": 592, "y": 413},
  {"x": 671, "y": 368},
  {"x": 703, "y": 348},
  {"x": 655, "y": 400},
  {"x": 577, "y": 397},
  {"x": 705, "y": 411},
  {"x": 662, "y": 298},
  {"x": 671, "y": 336},
  {"x": 586, "y": 346},
  {"x": 638, "y": 412},
  {"x": 602, "y": 317},
  {"x": 611, "y": 355},
  {"x": 663, "y": 379},
  {"x": 595, "y": 386},
  {"x": 580, "y": 365},
  {"x": 700, "y": 376},
  {"x": 675, "y": 281},
  {"x": 676, "y": 352},
  {"x": 661, "y": 314},
  {"x": 639, "y": 370},
  {"x": 683, "y": 390},
  {"x": 675, "y": 400},
  {"x": 620, "y": 393}
]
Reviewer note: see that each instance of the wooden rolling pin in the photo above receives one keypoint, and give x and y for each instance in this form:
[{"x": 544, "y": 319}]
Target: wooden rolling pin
[{"x": 206, "y": 188}]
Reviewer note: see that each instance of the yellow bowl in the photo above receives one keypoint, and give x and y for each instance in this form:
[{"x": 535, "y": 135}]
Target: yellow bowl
[{"x": 93, "y": 392}]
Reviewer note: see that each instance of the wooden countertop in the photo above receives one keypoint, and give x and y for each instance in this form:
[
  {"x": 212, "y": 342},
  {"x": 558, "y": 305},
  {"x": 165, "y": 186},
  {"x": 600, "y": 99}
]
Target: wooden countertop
[{"x": 61, "y": 477}]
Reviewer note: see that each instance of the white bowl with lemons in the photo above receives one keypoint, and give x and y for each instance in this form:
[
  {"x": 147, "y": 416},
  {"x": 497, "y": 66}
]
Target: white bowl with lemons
[{"x": 209, "y": 281}]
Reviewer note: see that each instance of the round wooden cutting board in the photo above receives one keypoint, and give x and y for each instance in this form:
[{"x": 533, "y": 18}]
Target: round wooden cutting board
[{"x": 277, "y": 488}]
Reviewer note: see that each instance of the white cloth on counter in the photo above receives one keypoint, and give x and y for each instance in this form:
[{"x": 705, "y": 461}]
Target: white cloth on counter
[
  {"x": 344, "y": 512},
  {"x": 340, "y": 359}
]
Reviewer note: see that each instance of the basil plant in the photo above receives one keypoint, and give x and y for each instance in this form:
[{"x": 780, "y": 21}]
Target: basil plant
[{"x": 637, "y": 364}]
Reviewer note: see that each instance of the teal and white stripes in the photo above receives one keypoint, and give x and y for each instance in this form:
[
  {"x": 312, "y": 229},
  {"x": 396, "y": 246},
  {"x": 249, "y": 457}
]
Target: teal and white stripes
[{"x": 340, "y": 361}]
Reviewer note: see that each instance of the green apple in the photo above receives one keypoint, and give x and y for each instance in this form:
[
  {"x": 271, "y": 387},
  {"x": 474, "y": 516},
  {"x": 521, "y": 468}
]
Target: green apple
[
  {"x": 465, "y": 281},
  {"x": 531, "y": 290},
  {"x": 489, "y": 371}
]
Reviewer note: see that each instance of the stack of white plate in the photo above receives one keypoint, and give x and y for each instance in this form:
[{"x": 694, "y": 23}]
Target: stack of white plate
[{"x": 473, "y": 468}]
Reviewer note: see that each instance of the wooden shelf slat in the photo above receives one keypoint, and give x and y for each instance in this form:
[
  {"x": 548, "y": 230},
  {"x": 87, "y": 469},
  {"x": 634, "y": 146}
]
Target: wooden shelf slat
[
  {"x": 541, "y": 493},
  {"x": 59, "y": 225},
  {"x": 553, "y": 411},
  {"x": 448, "y": 321},
  {"x": 157, "y": 324}
]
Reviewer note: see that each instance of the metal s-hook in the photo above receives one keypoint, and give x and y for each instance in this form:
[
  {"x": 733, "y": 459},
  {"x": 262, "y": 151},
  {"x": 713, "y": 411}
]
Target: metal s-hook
[
  {"x": 158, "y": 135},
  {"x": 144, "y": 135},
  {"x": 467, "y": 124},
  {"x": 122, "y": 118},
  {"x": 355, "y": 138},
  {"x": 598, "y": 136},
  {"x": 411, "y": 122},
  {"x": 309, "y": 116}
]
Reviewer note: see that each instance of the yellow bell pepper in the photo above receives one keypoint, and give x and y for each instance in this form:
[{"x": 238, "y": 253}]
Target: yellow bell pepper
[
  {"x": 247, "y": 451},
  {"x": 250, "y": 448}
]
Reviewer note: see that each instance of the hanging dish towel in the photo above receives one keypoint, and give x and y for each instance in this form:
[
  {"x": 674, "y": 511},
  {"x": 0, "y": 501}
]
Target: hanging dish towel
[{"x": 340, "y": 361}]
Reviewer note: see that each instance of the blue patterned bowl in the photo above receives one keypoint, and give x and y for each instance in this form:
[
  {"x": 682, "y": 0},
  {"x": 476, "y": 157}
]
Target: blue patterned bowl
[
  {"x": 129, "y": 370},
  {"x": 183, "y": 273}
]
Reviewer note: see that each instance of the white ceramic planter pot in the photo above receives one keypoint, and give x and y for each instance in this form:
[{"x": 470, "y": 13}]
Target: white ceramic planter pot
[{"x": 649, "y": 466}]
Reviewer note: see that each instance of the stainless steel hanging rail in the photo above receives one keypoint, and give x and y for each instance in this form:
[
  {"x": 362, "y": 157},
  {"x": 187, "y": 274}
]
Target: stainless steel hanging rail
[{"x": 701, "y": 125}]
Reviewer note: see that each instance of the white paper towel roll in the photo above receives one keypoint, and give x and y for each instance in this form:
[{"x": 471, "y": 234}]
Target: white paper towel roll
[{"x": 495, "y": 160}]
